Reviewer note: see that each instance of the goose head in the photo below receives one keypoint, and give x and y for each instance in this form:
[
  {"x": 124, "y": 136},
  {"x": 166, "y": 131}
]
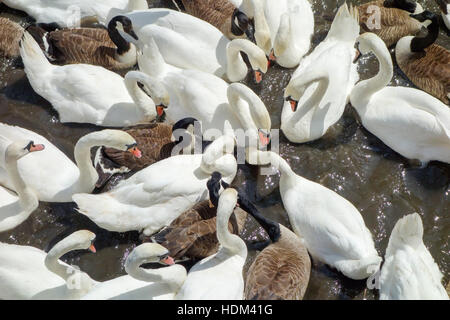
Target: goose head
[
  {"x": 215, "y": 187},
  {"x": 240, "y": 24},
  {"x": 19, "y": 149},
  {"x": 408, "y": 5},
  {"x": 148, "y": 253},
  {"x": 126, "y": 51}
]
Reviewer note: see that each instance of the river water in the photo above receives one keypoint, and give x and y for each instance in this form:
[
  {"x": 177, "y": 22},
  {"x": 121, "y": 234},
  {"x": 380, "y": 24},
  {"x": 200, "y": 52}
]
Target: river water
[{"x": 348, "y": 160}]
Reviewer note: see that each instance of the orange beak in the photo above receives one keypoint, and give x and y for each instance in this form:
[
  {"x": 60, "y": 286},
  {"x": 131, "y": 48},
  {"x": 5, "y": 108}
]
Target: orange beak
[
  {"x": 272, "y": 56},
  {"x": 258, "y": 76},
  {"x": 169, "y": 261},
  {"x": 263, "y": 139},
  {"x": 294, "y": 105},
  {"x": 135, "y": 152},
  {"x": 357, "y": 56},
  {"x": 160, "y": 110},
  {"x": 92, "y": 249},
  {"x": 37, "y": 147}
]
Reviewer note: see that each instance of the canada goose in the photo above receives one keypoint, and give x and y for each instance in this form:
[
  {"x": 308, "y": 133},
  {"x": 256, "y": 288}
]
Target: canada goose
[
  {"x": 51, "y": 174},
  {"x": 10, "y": 35},
  {"x": 223, "y": 15},
  {"x": 16, "y": 208},
  {"x": 193, "y": 234},
  {"x": 425, "y": 63},
  {"x": 153, "y": 197},
  {"x": 282, "y": 269},
  {"x": 85, "y": 93},
  {"x": 410, "y": 121},
  {"x": 97, "y": 46},
  {"x": 30, "y": 273},
  {"x": 444, "y": 5},
  {"x": 394, "y": 20},
  {"x": 155, "y": 142},
  {"x": 409, "y": 271}
]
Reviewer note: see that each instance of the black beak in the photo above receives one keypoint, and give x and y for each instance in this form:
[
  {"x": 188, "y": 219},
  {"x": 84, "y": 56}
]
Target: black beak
[
  {"x": 250, "y": 33},
  {"x": 131, "y": 33}
]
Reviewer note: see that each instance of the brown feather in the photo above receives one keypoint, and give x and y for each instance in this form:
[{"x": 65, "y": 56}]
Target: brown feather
[
  {"x": 281, "y": 271},
  {"x": 216, "y": 12},
  {"x": 10, "y": 35},
  {"x": 395, "y": 23},
  {"x": 430, "y": 71}
]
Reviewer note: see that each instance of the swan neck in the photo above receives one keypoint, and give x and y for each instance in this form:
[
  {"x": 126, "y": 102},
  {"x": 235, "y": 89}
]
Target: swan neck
[
  {"x": 229, "y": 242},
  {"x": 27, "y": 197},
  {"x": 236, "y": 67},
  {"x": 173, "y": 276},
  {"x": 82, "y": 152},
  {"x": 137, "y": 5},
  {"x": 53, "y": 263},
  {"x": 140, "y": 98}
]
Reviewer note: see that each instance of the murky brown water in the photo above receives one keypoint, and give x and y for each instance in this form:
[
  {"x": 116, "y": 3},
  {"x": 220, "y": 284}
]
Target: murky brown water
[{"x": 348, "y": 160}]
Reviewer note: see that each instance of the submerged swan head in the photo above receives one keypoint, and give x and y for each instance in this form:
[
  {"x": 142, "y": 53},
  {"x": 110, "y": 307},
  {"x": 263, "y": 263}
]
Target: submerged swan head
[
  {"x": 148, "y": 253},
  {"x": 19, "y": 149}
]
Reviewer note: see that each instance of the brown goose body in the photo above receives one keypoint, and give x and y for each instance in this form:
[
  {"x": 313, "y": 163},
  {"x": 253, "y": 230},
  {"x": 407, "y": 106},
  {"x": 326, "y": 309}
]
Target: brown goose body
[
  {"x": 193, "y": 234},
  {"x": 429, "y": 71},
  {"x": 281, "y": 271},
  {"x": 85, "y": 45},
  {"x": 10, "y": 35},
  {"x": 217, "y": 12},
  {"x": 394, "y": 23}
]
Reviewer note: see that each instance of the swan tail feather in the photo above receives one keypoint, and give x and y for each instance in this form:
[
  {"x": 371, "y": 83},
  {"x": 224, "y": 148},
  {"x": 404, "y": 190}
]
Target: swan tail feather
[
  {"x": 407, "y": 231},
  {"x": 33, "y": 57},
  {"x": 345, "y": 25}
]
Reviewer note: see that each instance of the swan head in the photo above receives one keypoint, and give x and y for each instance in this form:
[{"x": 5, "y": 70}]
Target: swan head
[
  {"x": 215, "y": 186},
  {"x": 367, "y": 41},
  {"x": 227, "y": 202},
  {"x": 119, "y": 140},
  {"x": 148, "y": 253},
  {"x": 79, "y": 240},
  {"x": 293, "y": 94},
  {"x": 258, "y": 62},
  {"x": 19, "y": 149}
]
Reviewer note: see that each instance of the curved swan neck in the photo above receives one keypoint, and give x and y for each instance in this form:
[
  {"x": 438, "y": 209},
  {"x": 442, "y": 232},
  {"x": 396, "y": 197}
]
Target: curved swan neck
[
  {"x": 262, "y": 30},
  {"x": 284, "y": 36},
  {"x": 236, "y": 67},
  {"x": 27, "y": 196},
  {"x": 53, "y": 263},
  {"x": 173, "y": 276},
  {"x": 254, "y": 109},
  {"x": 365, "y": 89},
  {"x": 142, "y": 100},
  {"x": 228, "y": 241}
]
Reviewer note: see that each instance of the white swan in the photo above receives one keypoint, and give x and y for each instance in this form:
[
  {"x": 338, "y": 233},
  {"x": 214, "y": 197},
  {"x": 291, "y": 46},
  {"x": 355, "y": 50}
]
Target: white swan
[
  {"x": 409, "y": 271},
  {"x": 153, "y": 197},
  {"x": 333, "y": 230},
  {"x": 219, "y": 277},
  {"x": 66, "y": 13},
  {"x": 90, "y": 94},
  {"x": 16, "y": 208},
  {"x": 290, "y": 26},
  {"x": 207, "y": 98},
  {"x": 29, "y": 273},
  {"x": 51, "y": 175},
  {"x": 320, "y": 87},
  {"x": 140, "y": 283},
  {"x": 190, "y": 43},
  {"x": 409, "y": 121}
]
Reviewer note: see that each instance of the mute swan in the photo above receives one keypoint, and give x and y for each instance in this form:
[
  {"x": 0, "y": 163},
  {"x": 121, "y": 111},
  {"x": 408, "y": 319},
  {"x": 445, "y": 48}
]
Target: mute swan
[
  {"x": 30, "y": 273},
  {"x": 97, "y": 46},
  {"x": 155, "y": 142},
  {"x": 67, "y": 13},
  {"x": 333, "y": 230},
  {"x": 51, "y": 175},
  {"x": 223, "y": 15},
  {"x": 10, "y": 35},
  {"x": 190, "y": 43},
  {"x": 390, "y": 19},
  {"x": 140, "y": 283},
  {"x": 219, "y": 277},
  {"x": 90, "y": 94},
  {"x": 153, "y": 197},
  {"x": 283, "y": 29},
  {"x": 409, "y": 271},
  {"x": 281, "y": 270},
  {"x": 425, "y": 63},
  {"x": 193, "y": 234},
  {"x": 16, "y": 208},
  {"x": 409, "y": 121},
  {"x": 320, "y": 87},
  {"x": 207, "y": 98}
]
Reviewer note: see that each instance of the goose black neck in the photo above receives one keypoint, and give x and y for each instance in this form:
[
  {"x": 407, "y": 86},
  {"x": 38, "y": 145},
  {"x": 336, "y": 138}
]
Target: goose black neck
[
  {"x": 272, "y": 228},
  {"x": 419, "y": 44},
  {"x": 407, "y": 5},
  {"x": 184, "y": 124},
  {"x": 213, "y": 186},
  {"x": 122, "y": 45}
]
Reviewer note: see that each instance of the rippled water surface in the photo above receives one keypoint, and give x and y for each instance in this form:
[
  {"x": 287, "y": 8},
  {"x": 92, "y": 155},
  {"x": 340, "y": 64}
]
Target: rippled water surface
[{"x": 348, "y": 160}]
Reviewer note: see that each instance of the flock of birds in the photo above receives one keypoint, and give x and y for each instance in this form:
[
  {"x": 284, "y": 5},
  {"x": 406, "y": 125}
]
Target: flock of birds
[{"x": 189, "y": 66}]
